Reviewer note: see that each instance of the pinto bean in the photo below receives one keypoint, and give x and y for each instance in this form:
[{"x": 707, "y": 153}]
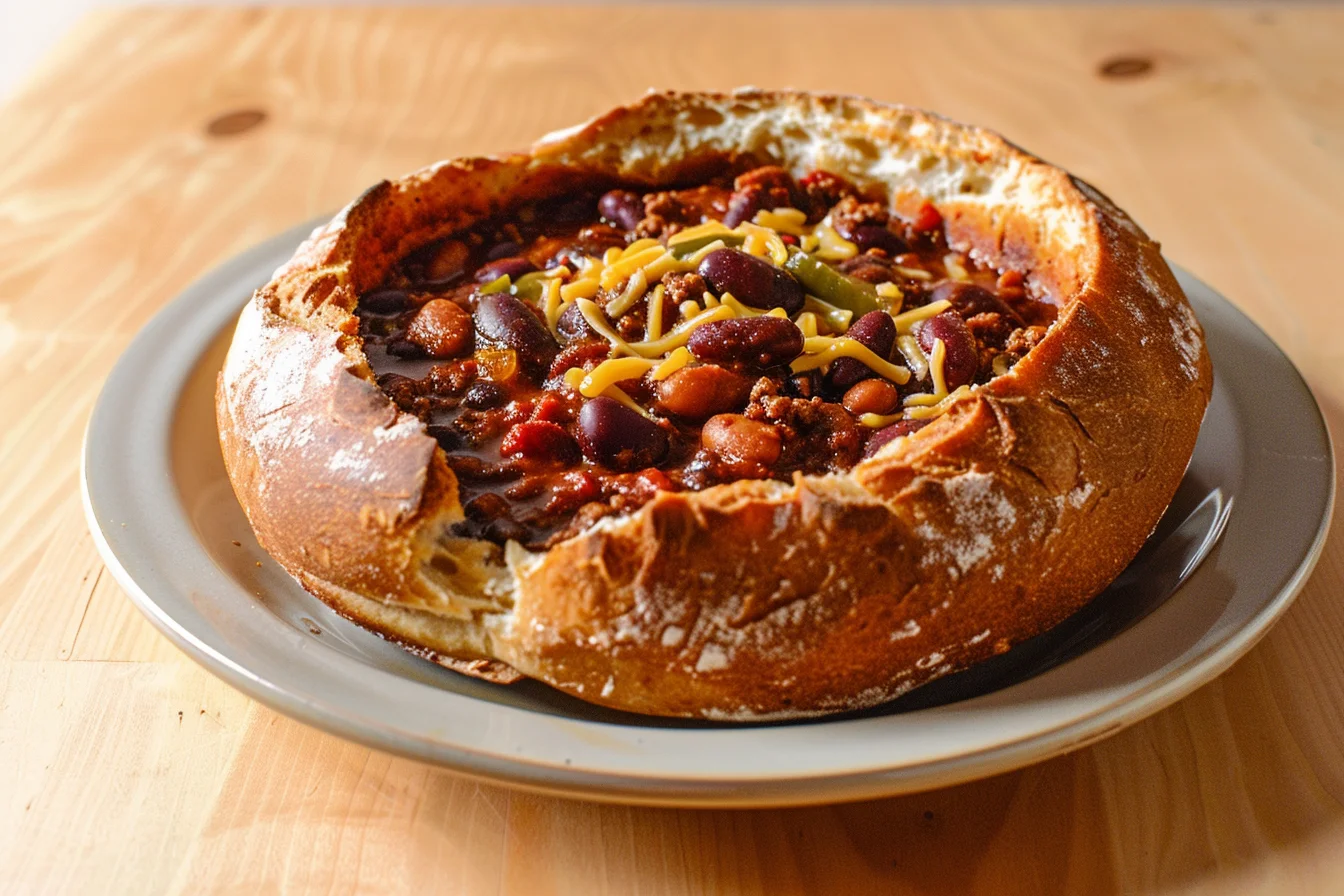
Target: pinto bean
[
  {"x": 872, "y": 396},
  {"x": 696, "y": 393},
  {"x": 441, "y": 329},
  {"x": 734, "y": 437}
]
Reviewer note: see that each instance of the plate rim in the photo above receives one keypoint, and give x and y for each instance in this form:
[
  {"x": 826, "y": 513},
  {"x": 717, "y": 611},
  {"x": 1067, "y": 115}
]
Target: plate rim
[{"x": 628, "y": 787}]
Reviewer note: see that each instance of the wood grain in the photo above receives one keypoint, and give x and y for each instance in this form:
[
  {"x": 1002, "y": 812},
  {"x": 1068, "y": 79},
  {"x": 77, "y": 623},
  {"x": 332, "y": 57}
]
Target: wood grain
[{"x": 128, "y": 769}]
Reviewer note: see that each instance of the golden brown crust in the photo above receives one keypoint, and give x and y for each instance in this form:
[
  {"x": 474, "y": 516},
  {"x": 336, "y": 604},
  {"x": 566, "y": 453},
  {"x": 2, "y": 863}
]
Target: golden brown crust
[{"x": 752, "y": 599}]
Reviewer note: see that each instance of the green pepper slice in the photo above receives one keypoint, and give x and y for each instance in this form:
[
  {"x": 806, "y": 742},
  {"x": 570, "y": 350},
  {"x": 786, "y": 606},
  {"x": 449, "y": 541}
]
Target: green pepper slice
[
  {"x": 690, "y": 247},
  {"x": 829, "y": 285},
  {"x": 499, "y": 284},
  {"x": 530, "y": 286}
]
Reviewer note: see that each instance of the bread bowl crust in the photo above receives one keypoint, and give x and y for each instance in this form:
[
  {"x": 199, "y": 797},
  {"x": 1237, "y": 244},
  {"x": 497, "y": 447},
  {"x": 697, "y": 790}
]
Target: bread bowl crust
[{"x": 748, "y": 600}]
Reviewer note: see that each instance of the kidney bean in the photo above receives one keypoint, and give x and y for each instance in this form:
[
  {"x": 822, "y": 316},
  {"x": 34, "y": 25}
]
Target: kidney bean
[
  {"x": 622, "y": 208},
  {"x": 759, "y": 342},
  {"x": 505, "y": 249},
  {"x": 752, "y": 281},
  {"x": 505, "y": 321},
  {"x": 970, "y": 300},
  {"x": 385, "y": 301},
  {"x": 540, "y": 441},
  {"x": 485, "y": 395},
  {"x": 876, "y": 236},
  {"x": 962, "y": 359},
  {"x": 514, "y": 267},
  {"x": 874, "y": 396},
  {"x": 737, "y": 438},
  {"x": 890, "y": 433},
  {"x": 612, "y": 434},
  {"x": 876, "y": 331},
  {"x": 441, "y": 329},
  {"x": 696, "y": 393},
  {"x": 742, "y": 206},
  {"x": 573, "y": 326}
]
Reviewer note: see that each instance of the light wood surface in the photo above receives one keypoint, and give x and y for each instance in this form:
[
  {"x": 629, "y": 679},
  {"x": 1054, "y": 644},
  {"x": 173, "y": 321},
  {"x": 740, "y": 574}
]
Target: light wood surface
[{"x": 124, "y": 175}]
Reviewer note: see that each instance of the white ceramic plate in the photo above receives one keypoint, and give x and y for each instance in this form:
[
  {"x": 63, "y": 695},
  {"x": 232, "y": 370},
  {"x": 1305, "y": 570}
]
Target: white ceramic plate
[{"x": 1231, "y": 553}]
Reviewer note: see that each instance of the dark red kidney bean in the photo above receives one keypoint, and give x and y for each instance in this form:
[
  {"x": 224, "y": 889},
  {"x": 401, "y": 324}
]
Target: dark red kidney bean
[
  {"x": 758, "y": 342},
  {"x": 612, "y": 434},
  {"x": 734, "y": 437},
  {"x": 875, "y": 330},
  {"x": 542, "y": 441},
  {"x": 505, "y": 321},
  {"x": 573, "y": 326},
  {"x": 970, "y": 300},
  {"x": 503, "y": 250},
  {"x": 385, "y": 301},
  {"x": 485, "y": 395},
  {"x": 514, "y": 267},
  {"x": 876, "y": 236},
  {"x": 890, "y": 433},
  {"x": 696, "y": 393},
  {"x": 622, "y": 208},
  {"x": 752, "y": 281},
  {"x": 742, "y": 206},
  {"x": 961, "y": 358},
  {"x": 441, "y": 328}
]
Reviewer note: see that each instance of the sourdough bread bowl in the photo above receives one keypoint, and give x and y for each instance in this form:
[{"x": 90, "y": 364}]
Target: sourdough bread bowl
[{"x": 754, "y": 599}]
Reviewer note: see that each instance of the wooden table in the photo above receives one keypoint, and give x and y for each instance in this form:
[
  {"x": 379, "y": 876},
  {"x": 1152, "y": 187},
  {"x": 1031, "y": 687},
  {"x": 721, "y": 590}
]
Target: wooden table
[{"x": 154, "y": 144}]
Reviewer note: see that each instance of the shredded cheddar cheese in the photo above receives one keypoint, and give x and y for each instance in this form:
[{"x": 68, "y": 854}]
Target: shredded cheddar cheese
[
  {"x": 611, "y": 372},
  {"x": 937, "y": 410},
  {"x": 937, "y": 361},
  {"x": 822, "y": 350},
  {"x": 831, "y": 246},
  {"x": 680, "y": 334},
  {"x": 593, "y": 315},
  {"x": 783, "y": 220},
  {"x": 913, "y": 273},
  {"x": 634, "y": 290},
  {"x": 552, "y": 304},
  {"x": 907, "y": 319},
  {"x": 913, "y": 354},
  {"x": 678, "y": 359},
  {"x": 653, "y": 324},
  {"x": 837, "y": 319},
  {"x": 956, "y": 269}
]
